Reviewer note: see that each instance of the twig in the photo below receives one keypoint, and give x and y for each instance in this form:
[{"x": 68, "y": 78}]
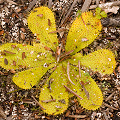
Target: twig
[
  {"x": 105, "y": 5},
  {"x": 111, "y": 21},
  {"x": 106, "y": 117},
  {"x": 75, "y": 1},
  {"x": 58, "y": 107},
  {"x": 38, "y": 103},
  {"x": 1, "y": 73},
  {"x": 73, "y": 92},
  {"x": 118, "y": 88},
  {"x": 49, "y": 84},
  {"x": 58, "y": 51},
  {"x": 105, "y": 104},
  {"x": 68, "y": 71},
  {"x": 47, "y": 75},
  {"x": 20, "y": 17},
  {"x": 28, "y": 102},
  {"x": 47, "y": 101},
  {"x": 97, "y": 2},
  {"x": 116, "y": 3},
  {"x": 1, "y": 1},
  {"x": 63, "y": 13},
  {"x": 86, "y": 92},
  {"x": 84, "y": 23},
  {"x": 86, "y": 5},
  {"x": 43, "y": 2},
  {"x": 29, "y": 116},
  {"x": 31, "y": 5},
  {"x": 62, "y": 101},
  {"x": 54, "y": 68},
  {"x": 58, "y": 30},
  {"x": 50, "y": 3},
  {"x": 2, "y": 113},
  {"x": 64, "y": 58},
  {"x": 79, "y": 68},
  {"x": 11, "y": 2},
  {"x": 77, "y": 116},
  {"x": 110, "y": 96},
  {"x": 49, "y": 49},
  {"x": 66, "y": 53}
]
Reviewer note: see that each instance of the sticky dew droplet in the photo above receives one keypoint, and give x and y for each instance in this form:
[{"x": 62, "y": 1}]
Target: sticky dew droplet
[
  {"x": 109, "y": 59},
  {"x": 46, "y": 28}
]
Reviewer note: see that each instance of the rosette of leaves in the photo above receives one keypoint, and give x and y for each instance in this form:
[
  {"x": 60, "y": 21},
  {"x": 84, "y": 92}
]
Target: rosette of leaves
[{"x": 67, "y": 76}]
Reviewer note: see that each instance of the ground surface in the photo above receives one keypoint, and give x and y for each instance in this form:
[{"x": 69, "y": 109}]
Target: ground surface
[{"x": 17, "y": 104}]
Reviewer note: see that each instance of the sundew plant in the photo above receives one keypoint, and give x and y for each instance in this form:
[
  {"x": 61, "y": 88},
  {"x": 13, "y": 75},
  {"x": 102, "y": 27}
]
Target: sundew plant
[{"x": 67, "y": 78}]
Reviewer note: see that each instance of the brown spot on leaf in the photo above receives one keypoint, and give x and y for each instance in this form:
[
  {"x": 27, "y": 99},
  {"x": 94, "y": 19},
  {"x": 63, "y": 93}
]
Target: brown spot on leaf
[
  {"x": 103, "y": 70},
  {"x": 88, "y": 23},
  {"x": 6, "y": 61},
  {"x": 9, "y": 52},
  {"x": 23, "y": 55},
  {"x": 34, "y": 10},
  {"x": 40, "y": 15},
  {"x": 47, "y": 48},
  {"x": 39, "y": 53},
  {"x": 97, "y": 23},
  {"x": 21, "y": 66},
  {"x": 62, "y": 101},
  {"x": 38, "y": 38},
  {"x": 49, "y": 22},
  {"x": 14, "y": 63},
  {"x": 2, "y": 53},
  {"x": 13, "y": 46}
]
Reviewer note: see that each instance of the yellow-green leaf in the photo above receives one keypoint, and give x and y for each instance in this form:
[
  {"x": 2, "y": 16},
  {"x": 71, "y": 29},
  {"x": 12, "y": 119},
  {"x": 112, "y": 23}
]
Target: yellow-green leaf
[
  {"x": 92, "y": 100},
  {"x": 54, "y": 89},
  {"x": 19, "y": 55},
  {"x": 41, "y": 21},
  {"x": 83, "y": 32},
  {"x": 28, "y": 78},
  {"x": 103, "y": 14},
  {"x": 98, "y": 10},
  {"x": 102, "y": 60}
]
